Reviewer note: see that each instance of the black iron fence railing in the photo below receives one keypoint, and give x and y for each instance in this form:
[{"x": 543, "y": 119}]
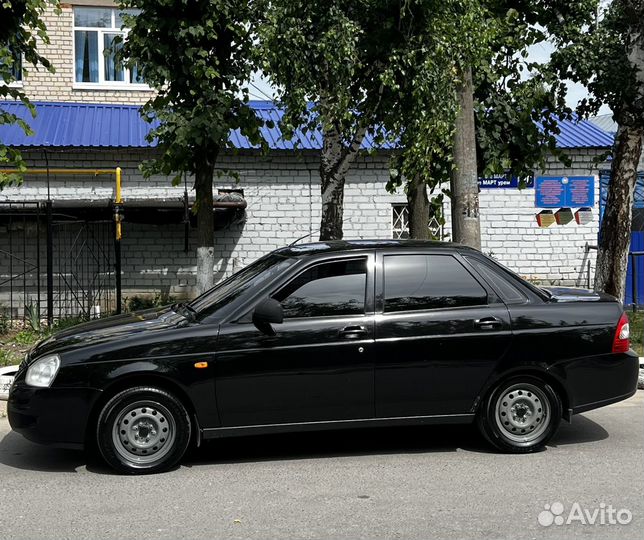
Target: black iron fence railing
[{"x": 55, "y": 266}]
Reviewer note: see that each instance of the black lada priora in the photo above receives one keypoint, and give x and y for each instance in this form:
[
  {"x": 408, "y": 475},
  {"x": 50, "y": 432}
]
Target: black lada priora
[{"x": 331, "y": 335}]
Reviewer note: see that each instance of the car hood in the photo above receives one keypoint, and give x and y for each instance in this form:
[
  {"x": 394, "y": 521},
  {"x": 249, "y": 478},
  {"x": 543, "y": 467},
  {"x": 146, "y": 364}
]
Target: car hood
[{"x": 119, "y": 327}]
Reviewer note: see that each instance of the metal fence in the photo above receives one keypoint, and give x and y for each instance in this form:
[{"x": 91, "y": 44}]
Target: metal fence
[
  {"x": 54, "y": 265},
  {"x": 20, "y": 260}
]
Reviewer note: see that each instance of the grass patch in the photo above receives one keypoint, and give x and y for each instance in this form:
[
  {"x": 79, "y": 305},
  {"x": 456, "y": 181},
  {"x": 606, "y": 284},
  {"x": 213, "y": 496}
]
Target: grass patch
[
  {"x": 636, "y": 319},
  {"x": 15, "y": 343},
  {"x": 9, "y": 357}
]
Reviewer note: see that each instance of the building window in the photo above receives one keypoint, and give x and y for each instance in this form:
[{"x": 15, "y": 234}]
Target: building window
[
  {"x": 399, "y": 221},
  {"x": 15, "y": 70},
  {"x": 94, "y": 48}
]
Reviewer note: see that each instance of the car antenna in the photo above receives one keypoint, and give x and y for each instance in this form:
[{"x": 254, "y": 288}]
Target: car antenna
[
  {"x": 300, "y": 238},
  {"x": 310, "y": 234}
]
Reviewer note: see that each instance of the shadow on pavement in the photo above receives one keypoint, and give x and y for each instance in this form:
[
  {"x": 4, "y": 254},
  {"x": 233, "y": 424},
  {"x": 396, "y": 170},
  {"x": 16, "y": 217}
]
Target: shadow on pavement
[
  {"x": 19, "y": 453},
  {"x": 581, "y": 430},
  {"x": 339, "y": 443}
]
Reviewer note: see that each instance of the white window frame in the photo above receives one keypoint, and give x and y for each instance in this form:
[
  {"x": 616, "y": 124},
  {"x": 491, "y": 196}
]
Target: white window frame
[
  {"x": 403, "y": 211},
  {"x": 102, "y": 84},
  {"x": 16, "y": 83}
]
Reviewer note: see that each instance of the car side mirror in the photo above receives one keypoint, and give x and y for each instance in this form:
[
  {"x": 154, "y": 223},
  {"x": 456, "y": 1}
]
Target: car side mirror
[{"x": 267, "y": 313}]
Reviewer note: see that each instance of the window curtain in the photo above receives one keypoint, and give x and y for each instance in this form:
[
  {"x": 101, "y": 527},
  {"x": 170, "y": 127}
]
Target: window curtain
[
  {"x": 86, "y": 56},
  {"x": 113, "y": 69}
]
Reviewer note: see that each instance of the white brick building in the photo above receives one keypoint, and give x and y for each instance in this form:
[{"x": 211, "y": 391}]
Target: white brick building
[{"x": 281, "y": 189}]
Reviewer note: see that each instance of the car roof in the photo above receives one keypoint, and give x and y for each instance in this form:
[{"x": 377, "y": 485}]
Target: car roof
[{"x": 333, "y": 246}]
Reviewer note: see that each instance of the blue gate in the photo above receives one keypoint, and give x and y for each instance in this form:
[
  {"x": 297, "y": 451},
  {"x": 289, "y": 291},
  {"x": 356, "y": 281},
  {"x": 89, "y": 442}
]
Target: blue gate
[{"x": 637, "y": 235}]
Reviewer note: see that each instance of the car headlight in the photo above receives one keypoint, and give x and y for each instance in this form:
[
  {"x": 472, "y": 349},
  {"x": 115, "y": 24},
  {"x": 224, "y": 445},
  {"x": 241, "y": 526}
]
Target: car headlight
[{"x": 42, "y": 372}]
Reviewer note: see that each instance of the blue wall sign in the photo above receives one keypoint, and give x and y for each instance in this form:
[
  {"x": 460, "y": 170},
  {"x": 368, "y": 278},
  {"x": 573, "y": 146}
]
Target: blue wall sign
[
  {"x": 564, "y": 191},
  {"x": 502, "y": 181}
]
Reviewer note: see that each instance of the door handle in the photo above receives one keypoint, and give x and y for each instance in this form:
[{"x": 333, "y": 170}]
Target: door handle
[
  {"x": 488, "y": 323},
  {"x": 353, "y": 332}
]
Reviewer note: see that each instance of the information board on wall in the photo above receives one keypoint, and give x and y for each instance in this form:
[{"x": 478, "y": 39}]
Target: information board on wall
[
  {"x": 504, "y": 182},
  {"x": 564, "y": 191}
]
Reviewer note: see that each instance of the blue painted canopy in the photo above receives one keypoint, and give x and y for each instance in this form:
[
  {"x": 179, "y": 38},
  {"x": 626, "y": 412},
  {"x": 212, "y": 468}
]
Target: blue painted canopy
[{"x": 120, "y": 126}]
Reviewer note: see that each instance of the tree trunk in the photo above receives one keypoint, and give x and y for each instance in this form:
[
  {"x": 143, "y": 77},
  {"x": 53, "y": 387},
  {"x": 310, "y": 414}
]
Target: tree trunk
[
  {"x": 335, "y": 160},
  {"x": 332, "y": 178},
  {"x": 418, "y": 208},
  {"x": 205, "y": 226},
  {"x": 615, "y": 233},
  {"x": 466, "y": 227}
]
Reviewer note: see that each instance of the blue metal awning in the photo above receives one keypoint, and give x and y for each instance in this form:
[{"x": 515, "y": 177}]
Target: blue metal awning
[{"x": 120, "y": 126}]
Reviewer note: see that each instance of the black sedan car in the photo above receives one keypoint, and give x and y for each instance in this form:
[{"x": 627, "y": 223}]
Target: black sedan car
[{"x": 325, "y": 336}]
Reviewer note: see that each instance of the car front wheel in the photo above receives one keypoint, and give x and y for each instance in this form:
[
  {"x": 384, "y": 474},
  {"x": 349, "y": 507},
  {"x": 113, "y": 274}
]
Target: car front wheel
[
  {"x": 143, "y": 430},
  {"x": 520, "y": 415}
]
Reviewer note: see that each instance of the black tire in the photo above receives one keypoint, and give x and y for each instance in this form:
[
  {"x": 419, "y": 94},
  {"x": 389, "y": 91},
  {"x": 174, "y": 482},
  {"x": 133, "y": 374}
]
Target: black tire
[
  {"x": 524, "y": 422},
  {"x": 143, "y": 430}
]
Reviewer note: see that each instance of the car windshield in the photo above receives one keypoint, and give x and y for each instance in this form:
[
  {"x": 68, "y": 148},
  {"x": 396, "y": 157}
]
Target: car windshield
[{"x": 222, "y": 294}]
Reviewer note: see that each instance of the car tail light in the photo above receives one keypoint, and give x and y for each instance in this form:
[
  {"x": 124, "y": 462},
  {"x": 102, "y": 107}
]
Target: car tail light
[{"x": 622, "y": 342}]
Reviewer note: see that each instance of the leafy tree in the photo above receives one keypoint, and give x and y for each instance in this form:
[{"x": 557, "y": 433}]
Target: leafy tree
[
  {"x": 197, "y": 55},
  {"x": 424, "y": 78},
  {"x": 330, "y": 54},
  {"x": 358, "y": 62},
  {"x": 21, "y": 27},
  {"x": 609, "y": 60},
  {"x": 517, "y": 105}
]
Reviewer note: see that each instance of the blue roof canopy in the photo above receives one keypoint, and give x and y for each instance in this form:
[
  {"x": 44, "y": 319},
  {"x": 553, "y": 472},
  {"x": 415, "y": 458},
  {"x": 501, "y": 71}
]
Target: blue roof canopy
[{"x": 120, "y": 126}]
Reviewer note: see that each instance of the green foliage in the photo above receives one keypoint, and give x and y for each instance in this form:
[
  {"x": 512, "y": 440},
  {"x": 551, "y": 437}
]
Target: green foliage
[
  {"x": 605, "y": 58},
  {"x": 68, "y": 322},
  {"x": 197, "y": 55},
  {"x": 138, "y": 303},
  {"x": 514, "y": 96},
  {"x": 21, "y": 27},
  {"x": 636, "y": 319},
  {"x": 32, "y": 314},
  {"x": 383, "y": 66},
  {"x": 327, "y": 53},
  {"x": 5, "y": 322},
  {"x": 9, "y": 357},
  {"x": 439, "y": 40},
  {"x": 27, "y": 337}
]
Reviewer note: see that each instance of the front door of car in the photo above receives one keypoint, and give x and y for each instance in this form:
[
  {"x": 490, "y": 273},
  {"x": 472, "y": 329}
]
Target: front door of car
[
  {"x": 439, "y": 335},
  {"x": 318, "y": 366}
]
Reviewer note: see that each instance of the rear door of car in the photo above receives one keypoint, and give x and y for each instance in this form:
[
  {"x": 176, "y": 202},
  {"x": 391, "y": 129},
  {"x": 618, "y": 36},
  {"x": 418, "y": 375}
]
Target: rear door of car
[
  {"x": 440, "y": 332},
  {"x": 318, "y": 366}
]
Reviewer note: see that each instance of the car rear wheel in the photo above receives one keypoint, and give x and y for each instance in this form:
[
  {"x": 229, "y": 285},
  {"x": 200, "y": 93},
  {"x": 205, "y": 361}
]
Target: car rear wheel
[
  {"x": 143, "y": 430},
  {"x": 520, "y": 415}
]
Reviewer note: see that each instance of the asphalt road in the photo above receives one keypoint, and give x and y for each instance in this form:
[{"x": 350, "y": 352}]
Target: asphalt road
[{"x": 439, "y": 482}]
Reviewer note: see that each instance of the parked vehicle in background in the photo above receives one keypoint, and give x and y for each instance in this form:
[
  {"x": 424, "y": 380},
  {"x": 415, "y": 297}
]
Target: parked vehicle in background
[
  {"x": 331, "y": 335},
  {"x": 7, "y": 375}
]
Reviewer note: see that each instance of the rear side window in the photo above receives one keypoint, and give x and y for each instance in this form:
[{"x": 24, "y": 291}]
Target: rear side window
[
  {"x": 329, "y": 289},
  {"x": 508, "y": 292},
  {"x": 415, "y": 282}
]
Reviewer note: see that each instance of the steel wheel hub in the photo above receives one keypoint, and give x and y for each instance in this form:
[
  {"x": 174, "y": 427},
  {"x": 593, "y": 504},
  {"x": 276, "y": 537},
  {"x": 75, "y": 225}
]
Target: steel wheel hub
[
  {"x": 522, "y": 413},
  {"x": 143, "y": 432}
]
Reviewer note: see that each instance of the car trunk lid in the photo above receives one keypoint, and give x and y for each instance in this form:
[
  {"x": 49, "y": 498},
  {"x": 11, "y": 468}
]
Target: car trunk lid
[{"x": 569, "y": 294}]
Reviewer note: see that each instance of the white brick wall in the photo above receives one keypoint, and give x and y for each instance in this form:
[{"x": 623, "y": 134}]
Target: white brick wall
[
  {"x": 282, "y": 191},
  {"x": 555, "y": 255}
]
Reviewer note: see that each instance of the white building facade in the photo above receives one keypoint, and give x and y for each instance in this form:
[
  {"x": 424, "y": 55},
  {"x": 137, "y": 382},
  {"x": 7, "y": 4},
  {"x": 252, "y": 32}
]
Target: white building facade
[{"x": 281, "y": 189}]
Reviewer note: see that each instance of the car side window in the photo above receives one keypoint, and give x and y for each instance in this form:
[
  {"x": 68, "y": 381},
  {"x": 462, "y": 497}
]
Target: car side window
[
  {"x": 415, "y": 282},
  {"x": 328, "y": 289},
  {"x": 508, "y": 292}
]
